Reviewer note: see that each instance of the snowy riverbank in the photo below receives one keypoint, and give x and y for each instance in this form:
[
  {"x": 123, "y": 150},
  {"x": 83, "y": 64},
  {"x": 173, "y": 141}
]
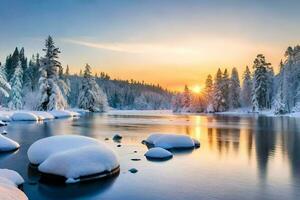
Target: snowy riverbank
[{"x": 27, "y": 115}]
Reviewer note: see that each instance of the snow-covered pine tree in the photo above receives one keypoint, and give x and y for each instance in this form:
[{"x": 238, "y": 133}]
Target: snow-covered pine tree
[
  {"x": 260, "y": 97},
  {"x": 51, "y": 97},
  {"x": 225, "y": 90},
  {"x": 11, "y": 63},
  {"x": 186, "y": 98},
  {"x": 208, "y": 92},
  {"x": 15, "y": 102},
  {"x": 217, "y": 93},
  {"x": 246, "y": 96},
  {"x": 4, "y": 85},
  {"x": 234, "y": 89},
  {"x": 91, "y": 97}
]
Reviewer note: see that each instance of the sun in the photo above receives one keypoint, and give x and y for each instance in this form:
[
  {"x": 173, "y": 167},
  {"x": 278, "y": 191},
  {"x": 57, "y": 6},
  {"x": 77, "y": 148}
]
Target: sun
[{"x": 197, "y": 89}]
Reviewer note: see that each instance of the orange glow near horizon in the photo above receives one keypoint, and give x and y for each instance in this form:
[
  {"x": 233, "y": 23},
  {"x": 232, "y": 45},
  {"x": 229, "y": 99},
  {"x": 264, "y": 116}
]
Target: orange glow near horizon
[{"x": 171, "y": 64}]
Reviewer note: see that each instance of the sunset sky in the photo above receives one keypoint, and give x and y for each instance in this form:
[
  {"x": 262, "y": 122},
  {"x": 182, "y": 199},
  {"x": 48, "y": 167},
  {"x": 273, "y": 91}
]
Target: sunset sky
[{"x": 159, "y": 41}]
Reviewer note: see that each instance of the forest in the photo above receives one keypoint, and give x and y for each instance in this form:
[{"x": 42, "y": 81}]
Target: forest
[{"x": 42, "y": 83}]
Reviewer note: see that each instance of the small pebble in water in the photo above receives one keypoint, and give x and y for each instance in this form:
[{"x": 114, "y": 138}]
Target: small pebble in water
[
  {"x": 133, "y": 170},
  {"x": 135, "y": 152},
  {"x": 106, "y": 139}
]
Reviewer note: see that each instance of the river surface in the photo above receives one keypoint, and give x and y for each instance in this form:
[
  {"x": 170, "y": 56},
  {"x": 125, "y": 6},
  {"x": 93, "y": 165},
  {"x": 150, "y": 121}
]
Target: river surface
[{"x": 241, "y": 157}]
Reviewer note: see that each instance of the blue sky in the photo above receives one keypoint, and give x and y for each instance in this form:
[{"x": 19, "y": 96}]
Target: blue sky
[{"x": 146, "y": 40}]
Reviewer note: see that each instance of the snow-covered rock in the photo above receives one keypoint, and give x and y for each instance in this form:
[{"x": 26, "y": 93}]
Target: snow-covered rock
[
  {"x": 169, "y": 141},
  {"x": 76, "y": 163},
  {"x": 63, "y": 113},
  {"x": 9, "y": 180},
  {"x": 5, "y": 117},
  {"x": 43, "y": 115},
  {"x": 158, "y": 153},
  {"x": 7, "y": 144},
  {"x": 73, "y": 157},
  {"x": 39, "y": 151},
  {"x": 12, "y": 176},
  {"x": 24, "y": 116},
  {"x": 2, "y": 123}
]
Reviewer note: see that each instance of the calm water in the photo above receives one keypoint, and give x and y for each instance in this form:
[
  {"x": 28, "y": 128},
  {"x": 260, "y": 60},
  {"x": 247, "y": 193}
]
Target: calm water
[{"x": 240, "y": 158}]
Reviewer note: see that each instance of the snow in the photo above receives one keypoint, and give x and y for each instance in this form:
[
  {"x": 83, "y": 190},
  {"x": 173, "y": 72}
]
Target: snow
[
  {"x": 83, "y": 161},
  {"x": 158, "y": 153},
  {"x": 79, "y": 110},
  {"x": 63, "y": 113},
  {"x": 24, "y": 116},
  {"x": 7, "y": 144},
  {"x": 12, "y": 176},
  {"x": 9, "y": 180},
  {"x": 170, "y": 140},
  {"x": 39, "y": 151}
]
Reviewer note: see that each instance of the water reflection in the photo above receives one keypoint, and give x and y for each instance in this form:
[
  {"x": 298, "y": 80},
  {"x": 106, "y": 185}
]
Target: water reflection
[{"x": 257, "y": 156}]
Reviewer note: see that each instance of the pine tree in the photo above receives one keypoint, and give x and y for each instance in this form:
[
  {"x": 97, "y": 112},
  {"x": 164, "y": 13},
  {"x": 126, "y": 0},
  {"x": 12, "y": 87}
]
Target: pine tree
[
  {"x": 91, "y": 97},
  {"x": 4, "y": 85},
  {"x": 11, "y": 63},
  {"x": 225, "y": 90},
  {"x": 186, "y": 97},
  {"x": 260, "y": 83},
  {"x": 247, "y": 88},
  {"x": 217, "y": 93},
  {"x": 234, "y": 89},
  {"x": 16, "y": 90},
  {"x": 51, "y": 97},
  {"x": 208, "y": 91}
]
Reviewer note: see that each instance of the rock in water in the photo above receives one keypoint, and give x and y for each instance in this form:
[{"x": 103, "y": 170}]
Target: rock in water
[
  {"x": 117, "y": 137},
  {"x": 133, "y": 170},
  {"x": 158, "y": 153},
  {"x": 170, "y": 141},
  {"x": 7, "y": 144},
  {"x": 73, "y": 158}
]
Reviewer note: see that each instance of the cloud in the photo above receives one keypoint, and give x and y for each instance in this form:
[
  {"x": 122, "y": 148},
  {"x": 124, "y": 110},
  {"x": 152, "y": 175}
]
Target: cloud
[{"x": 139, "y": 48}]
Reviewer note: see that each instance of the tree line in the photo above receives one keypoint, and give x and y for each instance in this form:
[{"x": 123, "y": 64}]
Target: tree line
[
  {"x": 43, "y": 84},
  {"x": 260, "y": 90}
]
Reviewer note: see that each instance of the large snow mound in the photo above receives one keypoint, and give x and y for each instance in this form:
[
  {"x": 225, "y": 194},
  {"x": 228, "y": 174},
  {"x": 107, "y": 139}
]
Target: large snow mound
[
  {"x": 39, "y": 151},
  {"x": 63, "y": 113},
  {"x": 12, "y": 176},
  {"x": 158, "y": 153},
  {"x": 7, "y": 144},
  {"x": 24, "y": 116},
  {"x": 73, "y": 157},
  {"x": 9, "y": 180},
  {"x": 170, "y": 140},
  {"x": 84, "y": 161}
]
